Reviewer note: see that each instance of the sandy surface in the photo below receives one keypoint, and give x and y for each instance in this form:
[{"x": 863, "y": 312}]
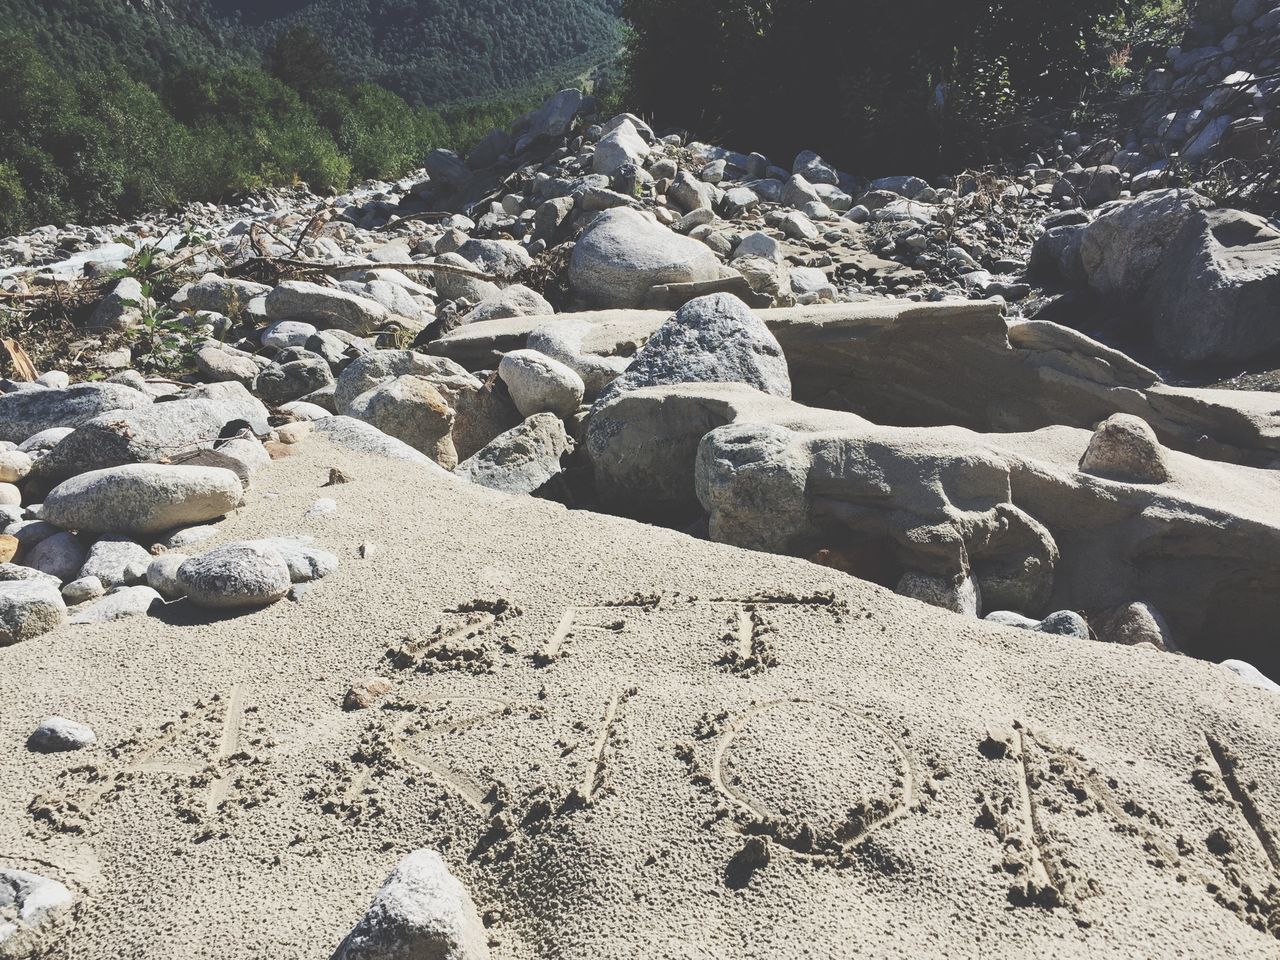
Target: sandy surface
[{"x": 598, "y": 760}]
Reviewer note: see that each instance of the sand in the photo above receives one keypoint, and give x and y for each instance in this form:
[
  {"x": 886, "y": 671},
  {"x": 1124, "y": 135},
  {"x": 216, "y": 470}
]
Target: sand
[{"x": 627, "y": 742}]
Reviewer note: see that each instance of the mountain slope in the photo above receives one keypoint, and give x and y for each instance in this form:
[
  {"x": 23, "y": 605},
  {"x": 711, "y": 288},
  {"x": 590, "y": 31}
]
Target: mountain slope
[{"x": 428, "y": 51}]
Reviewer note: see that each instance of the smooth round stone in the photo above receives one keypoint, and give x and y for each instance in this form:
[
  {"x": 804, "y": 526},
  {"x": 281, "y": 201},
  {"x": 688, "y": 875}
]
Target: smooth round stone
[
  {"x": 236, "y": 576},
  {"x": 60, "y": 735},
  {"x": 82, "y": 590},
  {"x": 14, "y": 466}
]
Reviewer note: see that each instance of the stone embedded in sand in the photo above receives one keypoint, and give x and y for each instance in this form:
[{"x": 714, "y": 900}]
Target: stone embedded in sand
[
  {"x": 540, "y": 384},
  {"x": 29, "y": 608},
  {"x": 1136, "y": 623},
  {"x": 34, "y": 912},
  {"x": 83, "y": 590},
  {"x": 237, "y": 575},
  {"x": 422, "y": 912},
  {"x": 1125, "y": 448},
  {"x": 411, "y": 409},
  {"x": 143, "y": 498},
  {"x": 713, "y": 339},
  {"x": 365, "y": 693},
  {"x": 1064, "y": 623},
  {"x": 306, "y": 562},
  {"x": 1252, "y": 675},
  {"x": 117, "y": 605},
  {"x": 959, "y": 595},
  {"x": 523, "y": 459},
  {"x": 60, "y": 735}
]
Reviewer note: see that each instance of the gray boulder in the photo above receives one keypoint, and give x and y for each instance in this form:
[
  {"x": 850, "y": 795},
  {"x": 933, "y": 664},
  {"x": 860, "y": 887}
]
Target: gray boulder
[
  {"x": 285, "y": 382},
  {"x": 29, "y": 608},
  {"x": 714, "y": 339},
  {"x": 379, "y": 366},
  {"x": 553, "y": 119},
  {"x": 235, "y": 576},
  {"x": 411, "y": 409},
  {"x": 814, "y": 169},
  {"x": 306, "y": 561},
  {"x": 539, "y": 384},
  {"x": 1121, "y": 249},
  {"x": 116, "y": 561},
  {"x": 222, "y": 295},
  {"x": 422, "y": 912},
  {"x": 616, "y": 149},
  {"x": 363, "y": 438},
  {"x": 143, "y": 498},
  {"x": 516, "y": 300},
  {"x": 218, "y": 364},
  {"x": 501, "y": 258},
  {"x": 1216, "y": 293},
  {"x": 121, "y": 308},
  {"x": 326, "y": 307},
  {"x": 1064, "y": 623},
  {"x": 523, "y": 459},
  {"x": 60, "y": 555},
  {"x": 162, "y": 575},
  {"x": 1125, "y": 448},
  {"x": 28, "y": 412},
  {"x": 83, "y": 590},
  {"x": 624, "y": 253}
]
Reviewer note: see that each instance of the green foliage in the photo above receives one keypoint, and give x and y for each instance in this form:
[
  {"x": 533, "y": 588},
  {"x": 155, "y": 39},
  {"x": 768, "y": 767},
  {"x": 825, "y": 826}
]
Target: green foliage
[{"x": 914, "y": 85}]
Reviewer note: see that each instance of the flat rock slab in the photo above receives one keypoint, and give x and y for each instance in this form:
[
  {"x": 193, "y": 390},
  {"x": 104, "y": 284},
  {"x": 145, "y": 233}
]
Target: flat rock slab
[{"x": 771, "y": 754}]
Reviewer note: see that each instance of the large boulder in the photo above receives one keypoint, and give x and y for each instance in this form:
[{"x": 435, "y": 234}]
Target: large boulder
[
  {"x": 522, "y": 460},
  {"x": 553, "y": 119},
  {"x": 379, "y": 366},
  {"x": 152, "y": 434},
  {"x": 619, "y": 147},
  {"x": 326, "y": 307},
  {"x": 217, "y": 294},
  {"x": 624, "y": 253},
  {"x": 1216, "y": 294},
  {"x": 1121, "y": 249},
  {"x": 422, "y": 912},
  {"x": 25, "y": 413},
  {"x": 539, "y": 384},
  {"x": 366, "y": 439},
  {"x": 142, "y": 498},
  {"x": 516, "y": 300},
  {"x": 714, "y": 339},
  {"x": 409, "y": 408}
]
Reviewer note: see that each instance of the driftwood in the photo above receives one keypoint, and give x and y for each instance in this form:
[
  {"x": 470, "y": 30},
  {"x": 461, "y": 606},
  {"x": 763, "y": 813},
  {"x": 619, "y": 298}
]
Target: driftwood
[{"x": 370, "y": 265}]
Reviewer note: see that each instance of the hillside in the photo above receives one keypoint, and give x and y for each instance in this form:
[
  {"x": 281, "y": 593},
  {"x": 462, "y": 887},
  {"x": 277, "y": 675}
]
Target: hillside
[{"x": 433, "y": 52}]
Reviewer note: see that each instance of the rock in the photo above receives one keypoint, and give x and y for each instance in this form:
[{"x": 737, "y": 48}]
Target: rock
[
  {"x": 1213, "y": 297},
  {"x": 306, "y": 562},
  {"x": 8, "y": 547},
  {"x": 1092, "y": 186},
  {"x": 909, "y": 187},
  {"x": 60, "y": 555},
  {"x": 961, "y": 595},
  {"x": 13, "y": 573},
  {"x": 143, "y": 498},
  {"x": 553, "y": 119},
  {"x": 14, "y": 466},
  {"x": 516, "y": 300},
  {"x": 83, "y": 590},
  {"x": 167, "y": 431},
  {"x": 285, "y": 382},
  {"x": 287, "y": 333},
  {"x": 29, "y": 608},
  {"x": 162, "y": 575},
  {"x": 40, "y": 443},
  {"x": 366, "y": 693},
  {"x": 1064, "y": 623},
  {"x": 119, "y": 604},
  {"x": 218, "y": 365},
  {"x": 689, "y": 193},
  {"x": 10, "y": 495},
  {"x": 35, "y": 913},
  {"x": 501, "y": 258},
  {"x": 411, "y": 409},
  {"x": 122, "y": 308},
  {"x": 567, "y": 341},
  {"x": 1121, "y": 249},
  {"x": 238, "y": 575},
  {"x": 453, "y": 286},
  {"x": 539, "y": 384},
  {"x": 799, "y": 227},
  {"x": 711, "y": 339},
  {"x": 624, "y": 253},
  {"x": 1251, "y": 675},
  {"x": 758, "y": 245},
  {"x": 326, "y": 307},
  {"x": 814, "y": 169},
  {"x": 28, "y": 412},
  {"x": 56, "y": 735},
  {"x": 222, "y": 295},
  {"x": 618, "y": 148},
  {"x": 422, "y": 912},
  {"x": 1125, "y": 448},
  {"x": 522, "y": 460},
  {"x": 380, "y": 366},
  {"x": 116, "y": 561},
  {"x": 364, "y": 438},
  {"x": 1136, "y": 623}
]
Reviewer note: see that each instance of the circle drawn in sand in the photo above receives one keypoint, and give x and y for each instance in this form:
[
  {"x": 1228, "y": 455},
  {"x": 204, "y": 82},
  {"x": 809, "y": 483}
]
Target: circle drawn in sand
[{"x": 815, "y": 776}]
